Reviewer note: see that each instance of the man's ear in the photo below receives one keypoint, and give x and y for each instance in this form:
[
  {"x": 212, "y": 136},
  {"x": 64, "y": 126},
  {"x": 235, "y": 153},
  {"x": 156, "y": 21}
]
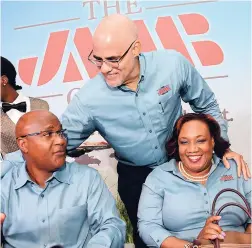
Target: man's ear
[
  {"x": 137, "y": 48},
  {"x": 22, "y": 144},
  {"x": 4, "y": 80}
]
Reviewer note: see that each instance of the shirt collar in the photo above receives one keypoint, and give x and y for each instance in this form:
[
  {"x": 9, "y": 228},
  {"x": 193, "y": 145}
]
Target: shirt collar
[
  {"x": 142, "y": 61},
  {"x": 21, "y": 176},
  {"x": 62, "y": 175}
]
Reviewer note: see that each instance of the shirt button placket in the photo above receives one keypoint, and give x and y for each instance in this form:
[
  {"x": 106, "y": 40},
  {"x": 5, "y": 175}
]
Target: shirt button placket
[{"x": 206, "y": 202}]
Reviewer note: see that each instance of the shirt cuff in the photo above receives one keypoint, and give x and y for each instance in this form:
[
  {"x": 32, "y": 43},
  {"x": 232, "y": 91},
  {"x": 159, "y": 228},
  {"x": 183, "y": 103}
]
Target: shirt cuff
[{"x": 159, "y": 236}]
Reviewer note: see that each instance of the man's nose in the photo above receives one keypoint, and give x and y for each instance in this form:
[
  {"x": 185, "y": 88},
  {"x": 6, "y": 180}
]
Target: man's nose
[
  {"x": 105, "y": 68},
  {"x": 60, "y": 139}
]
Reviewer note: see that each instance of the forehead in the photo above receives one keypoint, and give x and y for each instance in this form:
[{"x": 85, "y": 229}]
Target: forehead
[
  {"x": 194, "y": 128},
  {"x": 43, "y": 123},
  {"x": 108, "y": 48}
]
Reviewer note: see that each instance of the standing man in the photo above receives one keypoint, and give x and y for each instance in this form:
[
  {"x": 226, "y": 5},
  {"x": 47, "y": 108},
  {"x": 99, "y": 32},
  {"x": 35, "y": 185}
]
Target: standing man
[
  {"x": 13, "y": 105},
  {"x": 134, "y": 102}
]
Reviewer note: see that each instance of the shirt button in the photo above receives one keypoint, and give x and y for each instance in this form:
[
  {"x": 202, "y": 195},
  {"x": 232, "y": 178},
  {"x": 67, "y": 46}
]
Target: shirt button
[
  {"x": 204, "y": 193},
  {"x": 207, "y": 212},
  {"x": 136, "y": 94},
  {"x": 42, "y": 195},
  {"x": 150, "y": 131},
  {"x": 144, "y": 113},
  {"x": 43, "y": 220},
  {"x": 156, "y": 147},
  {"x": 206, "y": 202},
  {"x": 157, "y": 240}
]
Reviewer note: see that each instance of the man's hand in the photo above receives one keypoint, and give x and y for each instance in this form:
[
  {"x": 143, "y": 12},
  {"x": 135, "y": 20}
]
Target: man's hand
[
  {"x": 2, "y": 218},
  {"x": 211, "y": 231},
  {"x": 241, "y": 164}
]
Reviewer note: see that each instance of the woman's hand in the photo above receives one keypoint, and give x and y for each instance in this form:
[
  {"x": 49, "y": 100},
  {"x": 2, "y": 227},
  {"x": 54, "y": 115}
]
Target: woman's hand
[{"x": 211, "y": 231}]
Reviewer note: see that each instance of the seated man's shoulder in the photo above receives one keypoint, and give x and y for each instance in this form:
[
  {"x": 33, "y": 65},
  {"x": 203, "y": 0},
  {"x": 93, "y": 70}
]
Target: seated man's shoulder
[
  {"x": 11, "y": 160},
  {"x": 9, "y": 179},
  {"x": 80, "y": 171}
]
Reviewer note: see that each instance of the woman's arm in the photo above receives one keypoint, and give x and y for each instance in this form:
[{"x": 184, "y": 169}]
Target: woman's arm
[
  {"x": 150, "y": 220},
  {"x": 173, "y": 242}
]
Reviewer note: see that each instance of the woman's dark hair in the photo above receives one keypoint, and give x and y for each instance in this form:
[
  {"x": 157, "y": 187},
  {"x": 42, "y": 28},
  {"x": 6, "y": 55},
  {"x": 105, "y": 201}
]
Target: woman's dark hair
[
  {"x": 8, "y": 70},
  {"x": 220, "y": 146}
]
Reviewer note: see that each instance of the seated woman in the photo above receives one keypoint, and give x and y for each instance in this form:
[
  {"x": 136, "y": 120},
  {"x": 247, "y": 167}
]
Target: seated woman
[{"x": 176, "y": 199}]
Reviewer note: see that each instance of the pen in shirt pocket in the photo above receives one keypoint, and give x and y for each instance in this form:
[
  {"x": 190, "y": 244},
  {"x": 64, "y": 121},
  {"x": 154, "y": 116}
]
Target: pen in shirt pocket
[{"x": 162, "y": 108}]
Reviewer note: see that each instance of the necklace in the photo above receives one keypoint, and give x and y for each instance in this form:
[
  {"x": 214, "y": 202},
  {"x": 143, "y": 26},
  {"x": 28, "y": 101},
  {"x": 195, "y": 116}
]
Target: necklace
[{"x": 190, "y": 177}]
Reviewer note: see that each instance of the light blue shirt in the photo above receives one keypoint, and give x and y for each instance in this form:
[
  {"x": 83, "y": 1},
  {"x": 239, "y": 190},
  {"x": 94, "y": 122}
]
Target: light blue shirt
[
  {"x": 75, "y": 209},
  {"x": 173, "y": 206},
  {"x": 138, "y": 123}
]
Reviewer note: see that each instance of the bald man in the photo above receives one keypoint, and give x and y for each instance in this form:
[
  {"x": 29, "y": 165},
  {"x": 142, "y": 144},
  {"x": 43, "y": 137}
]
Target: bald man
[
  {"x": 134, "y": 102},
  {"x": 46, "y": 201}
]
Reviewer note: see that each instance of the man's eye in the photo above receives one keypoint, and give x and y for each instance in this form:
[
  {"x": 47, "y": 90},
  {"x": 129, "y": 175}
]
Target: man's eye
[
  {"x": 47, "y": 134},
  {"x": 112, "y": 61}
]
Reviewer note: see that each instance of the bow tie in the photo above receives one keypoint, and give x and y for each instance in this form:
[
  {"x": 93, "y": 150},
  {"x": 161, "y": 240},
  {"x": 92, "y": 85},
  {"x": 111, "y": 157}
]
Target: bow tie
[{"x": 19, "y": 106}]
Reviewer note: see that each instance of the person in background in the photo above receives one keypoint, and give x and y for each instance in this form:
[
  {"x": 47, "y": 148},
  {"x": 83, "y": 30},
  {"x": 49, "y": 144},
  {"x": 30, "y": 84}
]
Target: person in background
[
  {"x": 176, "y": 199},
  {"x": 134, "y": 102},
  {"x": 13, "y": 105},
  {"x": 47, "y": 201}
]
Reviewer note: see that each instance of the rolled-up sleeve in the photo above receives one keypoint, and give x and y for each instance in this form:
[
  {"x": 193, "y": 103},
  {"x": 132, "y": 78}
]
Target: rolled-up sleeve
[
  {"x": 107, "y": 228},
  {"x": 78, "y": 122},
  {"x": 198, "y": 94},
  {"x": 150, "y": 223}
]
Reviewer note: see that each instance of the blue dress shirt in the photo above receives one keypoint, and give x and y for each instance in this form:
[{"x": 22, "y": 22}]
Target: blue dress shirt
[
  {"x": 138, "y": 123},
  {"x": 75, "y": 209},
  {"x": 170, "y": 205}
]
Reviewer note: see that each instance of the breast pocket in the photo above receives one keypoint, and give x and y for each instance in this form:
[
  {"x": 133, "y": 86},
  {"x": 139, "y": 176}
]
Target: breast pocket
[
  {"x": 71, "y": 223},
  {"x": 170, "y": 110}
]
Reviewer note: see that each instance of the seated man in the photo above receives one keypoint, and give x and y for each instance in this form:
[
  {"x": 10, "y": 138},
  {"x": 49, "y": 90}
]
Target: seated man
[{"x": 47, "y": 201}]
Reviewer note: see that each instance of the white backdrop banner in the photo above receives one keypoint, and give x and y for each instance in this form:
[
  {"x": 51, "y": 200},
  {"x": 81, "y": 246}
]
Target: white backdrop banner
[{"x": 49, "y": 42}]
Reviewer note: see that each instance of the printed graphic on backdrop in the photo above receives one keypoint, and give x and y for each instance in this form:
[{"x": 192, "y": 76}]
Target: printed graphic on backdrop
[{"x": 50, "y": 48}]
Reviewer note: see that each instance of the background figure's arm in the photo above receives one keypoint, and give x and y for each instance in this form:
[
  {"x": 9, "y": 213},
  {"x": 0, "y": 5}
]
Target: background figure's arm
[
  {"x": 107, "y": 228},
  {"x": 198, "y": 94},
  {"x": 78, "y": 122}
]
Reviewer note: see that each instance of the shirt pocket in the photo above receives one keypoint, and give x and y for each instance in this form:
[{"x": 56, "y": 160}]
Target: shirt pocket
[
  {"x": 170, "y": 110},
  {"x": 72, "y": 222}
]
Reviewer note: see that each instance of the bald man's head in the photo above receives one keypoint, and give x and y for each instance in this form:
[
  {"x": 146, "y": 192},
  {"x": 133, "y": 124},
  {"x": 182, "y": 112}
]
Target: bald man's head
[
  {"x": 41, "y": 139},
  {"x": 33, "y": 121},
  {"x": 116, "y": 28},
  {"x": 115, "y": 36}
]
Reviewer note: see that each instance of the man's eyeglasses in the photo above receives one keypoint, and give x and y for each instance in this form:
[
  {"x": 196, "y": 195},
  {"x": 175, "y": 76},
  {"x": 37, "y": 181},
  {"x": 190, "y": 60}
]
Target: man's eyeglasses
[
  {"x": 113, "y": 63},
  {"x": 47, "y": 134}
]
